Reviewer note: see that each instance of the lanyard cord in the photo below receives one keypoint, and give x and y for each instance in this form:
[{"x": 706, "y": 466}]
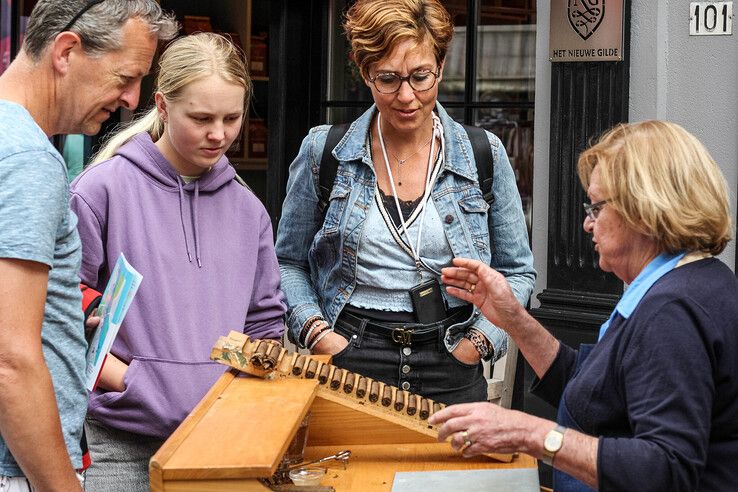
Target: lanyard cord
[{"x": 431, "y": 176}]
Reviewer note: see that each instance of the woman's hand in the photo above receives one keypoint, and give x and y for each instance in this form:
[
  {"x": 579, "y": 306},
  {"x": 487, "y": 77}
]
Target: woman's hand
[
  {"x": 466, "y": 352},
  {"x": 475, "y": 282},
  {"x": 477, "y": 428},
  {"x": 330, "y": 344}
]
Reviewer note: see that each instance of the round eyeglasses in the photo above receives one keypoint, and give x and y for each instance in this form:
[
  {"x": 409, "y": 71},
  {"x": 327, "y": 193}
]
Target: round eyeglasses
[
  {"x": 593, "y": 210},
  {"x": 390, "y": 82}
]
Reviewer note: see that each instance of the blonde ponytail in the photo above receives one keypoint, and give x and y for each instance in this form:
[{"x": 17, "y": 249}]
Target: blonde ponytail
[{"x": 149, "y": 122}]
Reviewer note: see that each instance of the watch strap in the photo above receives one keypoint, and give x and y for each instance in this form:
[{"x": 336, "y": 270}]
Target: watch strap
[{"x": 548, "y": 455}]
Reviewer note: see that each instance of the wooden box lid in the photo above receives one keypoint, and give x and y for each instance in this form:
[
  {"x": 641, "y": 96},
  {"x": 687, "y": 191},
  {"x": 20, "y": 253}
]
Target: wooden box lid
[{"x": 240, "y": 429}]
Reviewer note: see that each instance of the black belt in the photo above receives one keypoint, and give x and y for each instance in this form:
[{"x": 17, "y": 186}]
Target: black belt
[{"x": 403, "y": 333}]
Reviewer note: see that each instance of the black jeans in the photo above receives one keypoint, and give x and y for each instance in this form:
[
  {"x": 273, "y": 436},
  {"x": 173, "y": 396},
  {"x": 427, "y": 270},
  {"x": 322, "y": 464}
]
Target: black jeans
[{"x": 426, "y": 368}]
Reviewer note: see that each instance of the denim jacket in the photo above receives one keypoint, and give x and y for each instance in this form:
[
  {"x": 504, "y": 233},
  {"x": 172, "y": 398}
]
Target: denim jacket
[{"x": 317, "y": 257}]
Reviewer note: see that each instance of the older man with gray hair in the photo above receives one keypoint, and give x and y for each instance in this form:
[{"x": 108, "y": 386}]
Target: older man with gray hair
[{"x": 80, "y": 61}]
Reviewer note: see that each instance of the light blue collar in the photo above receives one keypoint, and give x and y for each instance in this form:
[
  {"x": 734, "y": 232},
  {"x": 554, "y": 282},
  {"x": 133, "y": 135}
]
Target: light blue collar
[{"x": 656, "y": 268}]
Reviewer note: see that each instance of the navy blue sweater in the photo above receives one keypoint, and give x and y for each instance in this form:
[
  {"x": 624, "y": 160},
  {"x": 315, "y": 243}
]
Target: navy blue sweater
[{"x": 660, "y": 390}]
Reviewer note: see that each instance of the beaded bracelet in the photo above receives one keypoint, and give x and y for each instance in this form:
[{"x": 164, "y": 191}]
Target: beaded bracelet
[
  {"x": 479, "y": 341},
  {"x": 308, "y": 328},
  {"x": 320, "y": 329},
  {"x": 310, "y": 323},
  {"x": 319, "y": 337},
  {"x": 308, "y": 333}
]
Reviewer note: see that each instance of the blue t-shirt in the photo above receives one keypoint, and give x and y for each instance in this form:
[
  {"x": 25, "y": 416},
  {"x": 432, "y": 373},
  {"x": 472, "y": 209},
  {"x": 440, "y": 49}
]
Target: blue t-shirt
[{"x": 36, "y": 224}]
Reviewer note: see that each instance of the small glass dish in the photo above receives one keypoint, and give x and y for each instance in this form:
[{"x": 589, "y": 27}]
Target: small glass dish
[{"x": 311, "y": 475}]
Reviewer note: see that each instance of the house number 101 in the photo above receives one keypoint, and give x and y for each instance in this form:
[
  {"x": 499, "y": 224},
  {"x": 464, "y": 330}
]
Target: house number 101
[{"x": 710, "y": 18}]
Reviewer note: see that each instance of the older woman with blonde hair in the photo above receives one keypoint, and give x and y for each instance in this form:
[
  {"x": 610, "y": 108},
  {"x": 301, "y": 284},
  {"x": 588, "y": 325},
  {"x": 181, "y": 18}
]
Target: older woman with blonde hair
[
  {"x": 361, "y": 276},
  {"x": 653, "y": 404}
]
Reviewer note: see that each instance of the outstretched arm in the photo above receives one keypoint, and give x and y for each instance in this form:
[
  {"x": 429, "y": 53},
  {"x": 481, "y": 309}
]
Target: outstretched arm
[
  {"x": 492, "y": 294},
  {"x": 492, "y": 429}
]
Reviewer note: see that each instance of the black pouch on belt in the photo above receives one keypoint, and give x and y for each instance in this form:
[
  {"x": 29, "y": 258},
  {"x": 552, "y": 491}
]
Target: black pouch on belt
[{"x": 428, "y": 302}]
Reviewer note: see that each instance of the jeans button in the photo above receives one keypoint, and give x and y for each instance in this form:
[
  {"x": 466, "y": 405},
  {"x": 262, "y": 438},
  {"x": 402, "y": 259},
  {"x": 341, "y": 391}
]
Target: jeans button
[
  {"x": 405, "y": 385},
  {"x": 405, "y": 369},
  {"x": 407, "y": 351}
]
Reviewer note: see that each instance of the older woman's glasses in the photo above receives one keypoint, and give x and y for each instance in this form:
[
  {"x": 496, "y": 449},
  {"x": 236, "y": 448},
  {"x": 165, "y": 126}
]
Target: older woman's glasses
[
  {"x": 390, "y": 82},
  {"x": 593, "y": 210},
  {"x": 84, "y": 9}
]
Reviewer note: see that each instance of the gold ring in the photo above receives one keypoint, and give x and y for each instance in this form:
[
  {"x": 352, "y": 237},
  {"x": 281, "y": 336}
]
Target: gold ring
[{"x": 467, "y": 441}]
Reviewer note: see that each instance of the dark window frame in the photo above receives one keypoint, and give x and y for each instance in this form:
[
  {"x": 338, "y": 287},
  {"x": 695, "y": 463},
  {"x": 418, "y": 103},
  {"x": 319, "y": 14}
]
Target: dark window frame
[{"x": 470, "y": 103}]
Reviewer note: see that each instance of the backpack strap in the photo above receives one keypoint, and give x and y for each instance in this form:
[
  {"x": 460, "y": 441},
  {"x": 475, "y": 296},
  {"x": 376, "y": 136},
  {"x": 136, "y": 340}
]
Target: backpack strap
[
  {"x": 329, "y": 164},
  {"x": 484, "y": 160}
]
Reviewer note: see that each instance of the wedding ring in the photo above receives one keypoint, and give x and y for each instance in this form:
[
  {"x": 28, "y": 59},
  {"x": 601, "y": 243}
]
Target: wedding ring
[{"x": 467, "y": 441}]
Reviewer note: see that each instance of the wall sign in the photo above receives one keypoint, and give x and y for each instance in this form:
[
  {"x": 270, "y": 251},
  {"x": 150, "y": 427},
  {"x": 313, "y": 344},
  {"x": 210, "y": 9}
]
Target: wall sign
[
  {"x": 711, "y": 18},
  {"x": 586, "y": 30}
]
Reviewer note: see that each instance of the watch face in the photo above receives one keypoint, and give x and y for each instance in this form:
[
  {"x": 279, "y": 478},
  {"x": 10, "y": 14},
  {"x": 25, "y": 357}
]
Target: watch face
[{"x": 553, "y": 441}]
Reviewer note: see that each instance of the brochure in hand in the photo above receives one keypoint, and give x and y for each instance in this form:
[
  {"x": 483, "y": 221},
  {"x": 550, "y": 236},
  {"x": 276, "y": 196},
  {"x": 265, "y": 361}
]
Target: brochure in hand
[{"x": 116, "y": 300}]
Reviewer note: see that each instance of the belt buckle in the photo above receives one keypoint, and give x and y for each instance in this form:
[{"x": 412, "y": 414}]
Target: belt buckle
[{"x": 402, "y": 335}]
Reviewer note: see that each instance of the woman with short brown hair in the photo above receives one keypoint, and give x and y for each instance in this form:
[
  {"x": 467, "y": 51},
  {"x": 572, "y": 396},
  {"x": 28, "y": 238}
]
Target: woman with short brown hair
[{"x": 361, "y": 276}]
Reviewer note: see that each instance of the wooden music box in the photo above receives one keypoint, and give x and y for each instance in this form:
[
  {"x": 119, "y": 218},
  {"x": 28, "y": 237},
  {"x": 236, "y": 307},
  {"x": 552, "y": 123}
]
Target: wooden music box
[{"x": 241, "y": 429}]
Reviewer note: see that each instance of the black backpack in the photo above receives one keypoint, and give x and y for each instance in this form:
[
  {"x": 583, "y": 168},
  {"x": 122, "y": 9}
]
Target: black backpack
[{"x": 329, "y": 164}]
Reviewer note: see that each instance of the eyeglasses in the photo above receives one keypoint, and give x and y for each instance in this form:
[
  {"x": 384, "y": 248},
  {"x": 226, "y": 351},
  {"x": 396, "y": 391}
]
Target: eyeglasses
[
  {"x": 390, "y": 82},
  {"x": 79, "y": 14},
  {"x": 593, "y": 210}
]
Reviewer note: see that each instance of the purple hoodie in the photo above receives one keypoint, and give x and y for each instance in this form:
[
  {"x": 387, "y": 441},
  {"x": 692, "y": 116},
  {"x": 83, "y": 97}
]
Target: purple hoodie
[{"x": 206, "y": 253}]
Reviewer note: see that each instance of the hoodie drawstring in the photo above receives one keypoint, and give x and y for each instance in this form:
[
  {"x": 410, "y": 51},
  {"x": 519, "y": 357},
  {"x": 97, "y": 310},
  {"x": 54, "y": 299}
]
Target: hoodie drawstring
[
  {"x": 181, "y": 216},
  {"x": 196, "y": 223},
  {"x": 194, "y": 220}
]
